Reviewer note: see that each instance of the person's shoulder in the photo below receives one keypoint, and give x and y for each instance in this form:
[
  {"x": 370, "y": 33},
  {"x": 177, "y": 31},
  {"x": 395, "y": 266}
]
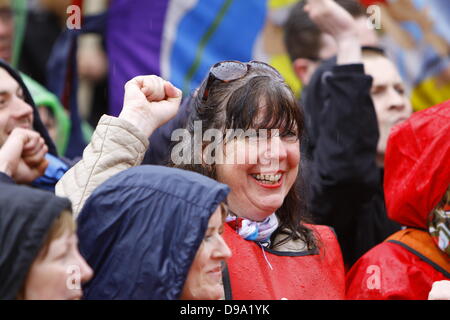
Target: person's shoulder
[
  {"x": 387, "y": 271},
  {"x": 323, "y": 232},
  {"x": 5, "y": 179}
]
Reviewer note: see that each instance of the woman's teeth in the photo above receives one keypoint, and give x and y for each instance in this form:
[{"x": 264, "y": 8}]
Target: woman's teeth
[{"x": 267, "y": 178}]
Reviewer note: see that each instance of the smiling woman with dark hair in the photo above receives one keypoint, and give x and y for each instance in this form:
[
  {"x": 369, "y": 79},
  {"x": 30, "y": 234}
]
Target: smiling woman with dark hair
[
  {"x": 274, "y": 250},
  {"x": 275, "y": 253}
]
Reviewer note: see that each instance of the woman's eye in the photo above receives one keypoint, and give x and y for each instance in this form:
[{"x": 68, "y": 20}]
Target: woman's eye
[
  {"x": 290, "y": 136},
  {"x": 377, "y": 90}
]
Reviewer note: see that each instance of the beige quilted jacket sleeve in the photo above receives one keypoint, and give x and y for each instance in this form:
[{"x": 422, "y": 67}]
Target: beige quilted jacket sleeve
[{"x": 116, "y": 145}]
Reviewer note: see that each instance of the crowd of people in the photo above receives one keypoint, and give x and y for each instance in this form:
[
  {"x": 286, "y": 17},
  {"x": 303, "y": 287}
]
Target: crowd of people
[{"x": 344, "y": 194}]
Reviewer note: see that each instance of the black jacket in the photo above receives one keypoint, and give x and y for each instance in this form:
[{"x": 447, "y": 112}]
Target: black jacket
[
  {"x": 344, "y": 184},
  {"x": 26, "y": 215}
]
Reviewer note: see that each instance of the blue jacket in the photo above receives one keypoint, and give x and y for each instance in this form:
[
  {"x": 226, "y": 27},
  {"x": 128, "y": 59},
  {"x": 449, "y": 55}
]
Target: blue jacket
[{"x": 141, "y": 229}]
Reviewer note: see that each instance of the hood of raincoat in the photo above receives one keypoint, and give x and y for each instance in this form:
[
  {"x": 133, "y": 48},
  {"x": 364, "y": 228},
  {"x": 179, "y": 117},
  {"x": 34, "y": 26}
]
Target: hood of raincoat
[
  {"x": 26, "y": 215},
  {"x": 417, "y": 166},
  {"x": 140, "y": 231},
  {"x": 37, "y": 123}
]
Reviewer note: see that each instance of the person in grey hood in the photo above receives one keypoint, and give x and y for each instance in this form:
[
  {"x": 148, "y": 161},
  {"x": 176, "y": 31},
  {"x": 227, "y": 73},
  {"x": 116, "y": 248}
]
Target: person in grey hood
[
  {"x": 38, "y": 246},
  {"x": 154, "y": 232}
]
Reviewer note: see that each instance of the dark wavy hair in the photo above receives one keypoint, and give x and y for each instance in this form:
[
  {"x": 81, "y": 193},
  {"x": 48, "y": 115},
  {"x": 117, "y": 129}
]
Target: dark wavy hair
[{"x": 238, "y": 105}]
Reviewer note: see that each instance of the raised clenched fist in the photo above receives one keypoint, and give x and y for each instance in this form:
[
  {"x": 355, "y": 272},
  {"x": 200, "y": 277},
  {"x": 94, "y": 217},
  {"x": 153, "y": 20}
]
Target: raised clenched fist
[
  {"x": 149, "y": 102},
  {"x": 331, "y": 18}
]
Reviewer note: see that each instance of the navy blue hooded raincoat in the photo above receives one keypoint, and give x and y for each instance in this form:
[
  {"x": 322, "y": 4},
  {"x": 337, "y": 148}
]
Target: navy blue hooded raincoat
[{"x": 141, "y": 229}]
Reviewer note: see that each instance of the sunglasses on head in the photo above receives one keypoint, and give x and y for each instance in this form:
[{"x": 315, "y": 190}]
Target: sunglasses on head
[{"x": 228, "y": 71}]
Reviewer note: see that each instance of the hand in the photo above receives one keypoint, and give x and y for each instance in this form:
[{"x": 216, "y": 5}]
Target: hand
[
  {"x": 91, "y": 59},
  {"x": 149, "y": 102},
  {"x": 440, "y": 290},
  {"x": 22, "y": 156},
  {"x": 331, "y": 18}
]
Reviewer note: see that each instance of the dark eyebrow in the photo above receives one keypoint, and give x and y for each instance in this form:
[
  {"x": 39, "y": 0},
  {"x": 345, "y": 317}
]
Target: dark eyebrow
[{"x": 379, "y": 86}]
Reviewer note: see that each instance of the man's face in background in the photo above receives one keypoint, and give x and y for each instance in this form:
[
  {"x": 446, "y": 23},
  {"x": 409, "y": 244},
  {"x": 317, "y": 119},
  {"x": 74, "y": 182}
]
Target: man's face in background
[
  {"x": 6, "y": 30},
  {"x": 389, "y": 97}
]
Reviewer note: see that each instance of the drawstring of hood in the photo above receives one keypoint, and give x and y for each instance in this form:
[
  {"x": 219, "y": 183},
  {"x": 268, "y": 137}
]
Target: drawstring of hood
[{"x": 265, "y": 258}]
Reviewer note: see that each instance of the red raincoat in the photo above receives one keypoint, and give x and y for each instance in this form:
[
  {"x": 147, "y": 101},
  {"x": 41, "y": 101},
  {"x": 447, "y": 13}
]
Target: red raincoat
[
  {"x": 285, "y": 275},
  {"x": 417, "y": 175}
]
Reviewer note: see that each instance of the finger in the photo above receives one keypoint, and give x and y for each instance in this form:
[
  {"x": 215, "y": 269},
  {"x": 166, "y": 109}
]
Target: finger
[
  {"x": 31, "y": 139},
  {"x": 133, "y": 88},
  {"x": 24, "y": 135},
  {"x": 33, "y": 146},
  {"x": 32, "y": 173},
  {"x": 36, "y": 158},
  {"x": 13, "y": 146},
  {"x": 154, "y": 87},
  {"x": 42, "y": 167},
  {"x": 172, "y": 91}
]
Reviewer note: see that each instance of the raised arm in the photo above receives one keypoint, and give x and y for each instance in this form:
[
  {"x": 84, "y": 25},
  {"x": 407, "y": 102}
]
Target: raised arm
[
  {"x": 343, "y": 175},
  {"x": 120, "y": 143}
]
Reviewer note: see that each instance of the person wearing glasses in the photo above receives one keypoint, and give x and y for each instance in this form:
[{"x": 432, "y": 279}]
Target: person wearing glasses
[{"x": 276, "y": 254}]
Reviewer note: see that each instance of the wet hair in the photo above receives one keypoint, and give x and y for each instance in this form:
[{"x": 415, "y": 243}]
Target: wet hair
[
  {"x": 259, "y": 100},
  {"x": 302, "y": 36}
]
